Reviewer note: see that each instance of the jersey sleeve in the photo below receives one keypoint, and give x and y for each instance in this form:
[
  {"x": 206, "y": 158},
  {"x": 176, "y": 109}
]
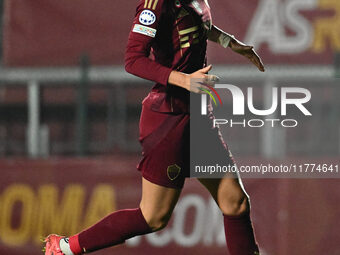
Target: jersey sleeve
[{"x": 142, "y": 34}]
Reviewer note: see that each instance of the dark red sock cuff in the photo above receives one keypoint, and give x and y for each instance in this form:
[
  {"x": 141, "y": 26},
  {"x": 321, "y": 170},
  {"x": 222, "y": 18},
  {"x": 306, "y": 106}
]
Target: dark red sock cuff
[
  {"x": 237, "y": 217},
  {"x": 240, "y": 234},
  {"x": 142, "y": 221},
  {"x": 74, "y": 245}
]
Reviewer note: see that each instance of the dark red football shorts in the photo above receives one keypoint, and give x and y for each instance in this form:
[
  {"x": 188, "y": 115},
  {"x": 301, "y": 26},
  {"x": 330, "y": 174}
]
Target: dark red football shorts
[{"x": 165, "y": 139}]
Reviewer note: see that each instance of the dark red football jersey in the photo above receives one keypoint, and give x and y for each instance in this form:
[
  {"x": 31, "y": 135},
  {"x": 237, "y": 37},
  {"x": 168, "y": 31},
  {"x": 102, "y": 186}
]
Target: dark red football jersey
[{"x": 167, "y": 35}]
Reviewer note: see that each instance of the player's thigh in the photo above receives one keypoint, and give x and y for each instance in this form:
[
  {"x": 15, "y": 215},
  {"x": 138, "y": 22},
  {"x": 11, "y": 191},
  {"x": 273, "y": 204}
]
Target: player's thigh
[
  {"x": 228, "y": 192},
  {"x": 158, "y": 202}
]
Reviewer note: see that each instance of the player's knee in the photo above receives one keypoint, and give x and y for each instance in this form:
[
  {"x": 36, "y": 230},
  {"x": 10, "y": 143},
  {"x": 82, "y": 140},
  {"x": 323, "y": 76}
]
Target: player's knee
[
  {"x": 158, "y": 221},
  {"x": 234, "y": 205},
  {"x": 156, "y": 218}
]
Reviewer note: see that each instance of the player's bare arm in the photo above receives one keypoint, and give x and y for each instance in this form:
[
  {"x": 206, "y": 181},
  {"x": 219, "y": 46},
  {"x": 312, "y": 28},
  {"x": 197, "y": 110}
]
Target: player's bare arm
[{"x": 226, "y": 40}]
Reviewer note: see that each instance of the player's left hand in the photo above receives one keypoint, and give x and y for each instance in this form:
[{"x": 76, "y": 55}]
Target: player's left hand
[{"x": 248, "y": 52}]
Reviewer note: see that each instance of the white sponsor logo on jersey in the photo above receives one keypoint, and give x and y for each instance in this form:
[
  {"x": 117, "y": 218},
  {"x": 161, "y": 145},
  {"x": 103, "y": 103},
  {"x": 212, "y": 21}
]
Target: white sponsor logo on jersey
[
  {"x": 148, "y": 31},
  {"x": 147, "y": 17}
]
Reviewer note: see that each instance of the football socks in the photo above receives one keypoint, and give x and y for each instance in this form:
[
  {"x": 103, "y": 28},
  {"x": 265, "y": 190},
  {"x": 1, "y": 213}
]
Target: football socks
[
  {"x": 112, "y": 230},
  {"x": 240, "y": 235}
]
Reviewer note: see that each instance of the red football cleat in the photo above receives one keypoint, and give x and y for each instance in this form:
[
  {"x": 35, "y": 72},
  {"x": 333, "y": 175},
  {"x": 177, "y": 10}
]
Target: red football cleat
[{"x": 52, "y": 246}]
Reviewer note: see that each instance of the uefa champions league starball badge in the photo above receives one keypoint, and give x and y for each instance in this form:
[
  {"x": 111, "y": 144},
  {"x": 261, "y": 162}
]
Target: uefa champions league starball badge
[{"x": 178, "y": 4}]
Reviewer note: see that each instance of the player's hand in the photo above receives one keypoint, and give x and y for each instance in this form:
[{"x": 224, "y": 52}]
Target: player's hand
[
  {"x": 248, "y": 52},
  {"x": 196, "y": 81}
]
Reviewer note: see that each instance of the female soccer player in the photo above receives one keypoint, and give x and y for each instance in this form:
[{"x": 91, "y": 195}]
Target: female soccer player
[{"x": 176, "y": 34}]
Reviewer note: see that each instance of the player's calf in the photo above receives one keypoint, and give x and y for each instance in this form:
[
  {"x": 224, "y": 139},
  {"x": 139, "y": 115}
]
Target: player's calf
[{"x": 114, "y": 229}]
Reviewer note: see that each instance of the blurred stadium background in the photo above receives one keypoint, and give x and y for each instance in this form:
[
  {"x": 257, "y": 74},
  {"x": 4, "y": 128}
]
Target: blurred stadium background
[{"x": 69, "y": 125}]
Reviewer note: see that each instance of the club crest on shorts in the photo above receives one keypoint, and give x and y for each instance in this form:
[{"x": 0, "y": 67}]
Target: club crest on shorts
[{"x": 173, "y": 171}]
